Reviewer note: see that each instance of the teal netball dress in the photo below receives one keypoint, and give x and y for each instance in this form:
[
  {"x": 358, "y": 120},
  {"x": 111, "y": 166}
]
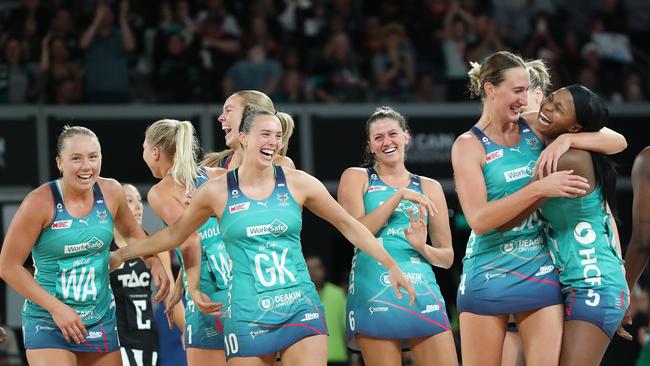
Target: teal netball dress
[
  {"x": 272, "y": 301},
  {"x": 71, "y": 262},
  {"x": 373, "y": 308},
  {"x": 583, "y": 248},
  {"x": 512, "y": 271}
]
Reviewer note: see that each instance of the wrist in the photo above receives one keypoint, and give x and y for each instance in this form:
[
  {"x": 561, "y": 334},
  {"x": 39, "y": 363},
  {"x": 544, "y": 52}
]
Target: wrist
[{"x": 388, "y": 262}]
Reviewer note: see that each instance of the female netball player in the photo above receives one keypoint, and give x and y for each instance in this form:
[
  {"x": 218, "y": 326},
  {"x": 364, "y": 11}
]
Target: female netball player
[
  {"x": 230, "y": 119},
  {"x": 67, "y": 224},
  {"x": 386, "y": 198},
  {"x": 508, "y": 272},
  {"x": 273, "y": 305},
  {"x": 131, "y": 284},
  {"x": 170, "y": 150},
  {"x": 579, "y": 233}
]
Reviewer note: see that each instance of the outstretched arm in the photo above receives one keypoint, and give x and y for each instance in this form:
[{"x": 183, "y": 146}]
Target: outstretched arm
[
  {"x": 321, "y": 203},
  {"x": 165, "y": 239}
]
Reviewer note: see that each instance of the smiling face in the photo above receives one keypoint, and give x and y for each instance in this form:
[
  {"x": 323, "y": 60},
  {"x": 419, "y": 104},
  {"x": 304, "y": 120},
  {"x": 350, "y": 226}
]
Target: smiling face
[
  {"x": 387, "y": 141},
  {"x": 511, "y": 94},
  {"x": 134, "y": 201},
  {"x": 80, "y": 161},
  {"x": 557, "y": 115},
  {"x": 264, "y": 140},
  {"x": 230, "y": 119}
]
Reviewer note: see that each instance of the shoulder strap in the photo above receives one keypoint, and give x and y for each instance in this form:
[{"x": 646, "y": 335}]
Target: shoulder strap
[
  {"x": 485, "y": 141},
  {"x": 233, "y": 186}
]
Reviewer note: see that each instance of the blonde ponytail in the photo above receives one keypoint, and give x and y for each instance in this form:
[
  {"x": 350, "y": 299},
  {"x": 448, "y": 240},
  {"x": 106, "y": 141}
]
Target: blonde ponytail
[
  {"x": 177, "y": 139},
  {"x": 286, "y": 121}
]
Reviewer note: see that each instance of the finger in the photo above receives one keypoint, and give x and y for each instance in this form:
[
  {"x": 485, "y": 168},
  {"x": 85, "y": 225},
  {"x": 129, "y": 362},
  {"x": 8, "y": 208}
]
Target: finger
[
  {"x": 549, "y": 167},
  {"x": 623, "y": 333},
  {"x": 75, "y": 333},
  {"x": 421, "y": 213},
  {"x": 395, "y": 286},
  {"x": 169, "y": 313},
  {"x": 556, "y": 162},
  {"x": 65, "y": 335},
  {"x": 157, "y": 297},
  {"x": 82, "y": 328},
  {"x": 434, "y": 208},
  {"x": 411, "y": 217},
  {"x": 411, "y": 291}
]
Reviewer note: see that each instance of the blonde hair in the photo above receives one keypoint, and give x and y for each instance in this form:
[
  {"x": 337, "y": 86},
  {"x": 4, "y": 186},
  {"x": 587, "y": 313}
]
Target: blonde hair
[
  {"x": 70, "y": 131},
  {"x": 177, "y": 139},
  {"x": 491, "y": 71},
  {"x": 255, "y": 99},
  {"x": 539, "y": 76}
]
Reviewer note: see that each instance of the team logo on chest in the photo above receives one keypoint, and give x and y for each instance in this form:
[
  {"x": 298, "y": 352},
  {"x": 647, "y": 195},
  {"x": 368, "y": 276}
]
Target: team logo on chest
[
  {"x": 283, "y": 198},
  {"x": 102, "y": 216}
]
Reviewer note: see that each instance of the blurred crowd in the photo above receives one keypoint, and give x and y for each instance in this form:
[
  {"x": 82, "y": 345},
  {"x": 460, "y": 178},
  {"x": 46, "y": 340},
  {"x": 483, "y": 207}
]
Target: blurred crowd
[{"x": 329, "y": 51}]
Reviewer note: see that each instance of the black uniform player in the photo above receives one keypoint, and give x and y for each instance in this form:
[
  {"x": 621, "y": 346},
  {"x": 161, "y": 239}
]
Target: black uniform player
[{"x": 131, "y": 284}]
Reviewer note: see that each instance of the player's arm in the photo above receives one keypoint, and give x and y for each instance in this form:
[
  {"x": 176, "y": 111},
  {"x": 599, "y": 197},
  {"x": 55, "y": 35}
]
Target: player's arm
[
  {"x": 350, "y": 196},
  {"x": 34, "y": 214},
  {"x": 440, "y": 253},
  {"x": 638, "y": 249},
  {"x": 467, "y": 155},
  {"x": 170, "y": 209},
  {"x": 317, "y": 199}
]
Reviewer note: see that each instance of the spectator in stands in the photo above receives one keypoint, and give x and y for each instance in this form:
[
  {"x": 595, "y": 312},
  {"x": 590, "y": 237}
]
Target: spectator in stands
[
  {"x": 633, "y": 88},
  {"x": 177, "y": 77},
  {"x": 333, "y": 299},
  {"x": 216, "y": 10},
  {"x": 16, "y": 76},
  {"x": 458, "y": 24},
  {"x": 218, "y": 50},
  {"x": 261, "y": 33},
  {"x": 106, "y": 48},
  {"x": 29, "y": 23},
  {"x": 486, "y": 39},
  {"x": 394, "y": 66},
  {"x": 337, "y": 77},
  {"x": 256, "y": 72},
  {"x": 291, "y": 88},
  {"x": 61, "y": 27},
  {"x": 60, "y": 79}
]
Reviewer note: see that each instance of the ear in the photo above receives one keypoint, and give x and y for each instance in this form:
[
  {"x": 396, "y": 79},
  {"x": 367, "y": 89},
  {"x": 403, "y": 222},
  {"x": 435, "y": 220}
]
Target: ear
[
  {"x": 407, "y": 138},
  {"x": 155, "y": 152},
  {"x": 59, "y": 164},
  {"x": 489, "y": 89},
  {"x": 575, "y": 128},
  {"x": 243, "y": 140}
]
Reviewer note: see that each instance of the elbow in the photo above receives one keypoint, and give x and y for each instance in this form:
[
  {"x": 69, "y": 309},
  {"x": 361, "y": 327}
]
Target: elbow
[
  {"x": 478, "y": 225},
  {"x": 449, "y": 259}
]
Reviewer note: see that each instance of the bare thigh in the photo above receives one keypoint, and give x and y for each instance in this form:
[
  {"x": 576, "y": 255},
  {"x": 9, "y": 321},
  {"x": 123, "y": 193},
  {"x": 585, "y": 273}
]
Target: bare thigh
[
  {"x": 311, "y": 350},
  {"x": 99, "y": 359},
  {"x": 380, "y": 352},
  {"x": 264, "y": 360},
  {"x": 200, "y": 357},
  {"x": 513, "y": 352},
  {"x": 583, "y": 343},
  {"x": 541, "y": 335},
  {"x": 438, "y": 349},
  {"x": 44, "y": 357},
  {"x": 481, "y": 338}
]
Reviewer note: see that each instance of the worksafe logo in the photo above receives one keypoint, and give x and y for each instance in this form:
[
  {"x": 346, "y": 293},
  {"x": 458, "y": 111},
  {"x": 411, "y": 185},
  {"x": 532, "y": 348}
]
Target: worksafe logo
[{"x": 275, "y": 228}]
